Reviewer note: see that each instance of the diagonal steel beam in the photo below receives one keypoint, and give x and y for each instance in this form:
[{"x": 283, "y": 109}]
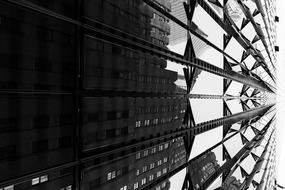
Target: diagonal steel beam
[
  {"x": 231, "y": 75},
  {"x": 266, "y": 173},
  {"x": 232, "y": 162},
  {"x": 224, "y": 97},
  {"x": 226, "y": 139},
  {"x": 183, "y": 166},
  {"x": 130, "y": 147},
  {"x": 257, "y": 29},
  {"x": 228, "y": 120},
  {"x": 260, "y": 161},
  {"x": 118, "y": 37},
  {"x": 237, "y": 165},
  {"x": 261, "y": 10},
  {"x": 146, "y": 46},
  {"x": 188, "y": 28},
  {"x": 233, "y": 32}
]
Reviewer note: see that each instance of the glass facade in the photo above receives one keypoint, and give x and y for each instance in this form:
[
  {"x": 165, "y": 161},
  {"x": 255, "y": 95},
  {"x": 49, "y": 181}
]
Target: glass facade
[{"x": 137, "y": 94}]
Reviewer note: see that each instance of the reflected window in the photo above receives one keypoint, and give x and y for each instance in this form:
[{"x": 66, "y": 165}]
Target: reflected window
[
  {"x": 155, "y": 121},
  {"x": 111, "y": 175},
  {"x": 138, "y": 123},
  {"x": 138, "y": 155},
  {"x": 136, "y": 185},
  {"x": 35, "y": 181},
  {"x": 144, "y": 169},
  {"x": 158, "y": 174},
  {"x": 145, "y": 153},
  {"x": 159, "y": 162},
  {"x": 10, "y": 187},
  {"x": 166, "y": 145},
  {"x": 66, "y": 188},
  {"x": 124, "y": 188},
  {"x": 143, "y": 181},
  {"x": 146, "y": 122}
]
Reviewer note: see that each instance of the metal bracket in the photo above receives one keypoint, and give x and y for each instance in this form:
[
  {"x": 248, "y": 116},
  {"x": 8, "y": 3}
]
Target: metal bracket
[{"x": 189, "y": 9}]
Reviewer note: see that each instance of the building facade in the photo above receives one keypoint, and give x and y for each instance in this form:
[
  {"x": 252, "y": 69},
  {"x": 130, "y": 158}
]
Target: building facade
[{"x": 88, "y": 103}]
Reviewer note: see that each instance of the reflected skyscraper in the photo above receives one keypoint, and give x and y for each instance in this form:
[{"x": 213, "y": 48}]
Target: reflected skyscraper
[
  {"x": 231, "y": 183},
  {"x": 94, "y": 95},
  {"x": 202, "y": 168}
]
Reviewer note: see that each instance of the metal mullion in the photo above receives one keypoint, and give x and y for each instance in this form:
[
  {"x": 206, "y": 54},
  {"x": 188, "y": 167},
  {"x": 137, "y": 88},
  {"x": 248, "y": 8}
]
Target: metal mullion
[
  {"x": 33, "y": 7},
  {"x": 77, "y": 98},
  {"x": 225, "y": 97},
  {"x": 48, "y": 92},
  {"x": 28, "y": 177}
]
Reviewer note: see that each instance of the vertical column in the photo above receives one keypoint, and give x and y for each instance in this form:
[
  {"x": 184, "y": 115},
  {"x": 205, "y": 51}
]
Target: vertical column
[{"x": 77, "y": 97}]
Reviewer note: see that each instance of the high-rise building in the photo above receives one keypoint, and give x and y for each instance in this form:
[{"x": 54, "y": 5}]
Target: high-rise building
[
  {"x": 88, "y": 101},
  {"x": 231, "y": 183},
  {"x": 202, "y": 168}
]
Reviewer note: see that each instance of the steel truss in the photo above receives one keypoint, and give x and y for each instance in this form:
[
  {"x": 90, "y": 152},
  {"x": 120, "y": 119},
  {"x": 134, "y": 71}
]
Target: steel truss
[{"x": 189, "y": 128}]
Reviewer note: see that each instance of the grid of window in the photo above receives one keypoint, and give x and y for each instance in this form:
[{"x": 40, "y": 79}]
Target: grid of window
[
  {"x": 40, "y": 179},
  {"x": 153, "y": 150}
]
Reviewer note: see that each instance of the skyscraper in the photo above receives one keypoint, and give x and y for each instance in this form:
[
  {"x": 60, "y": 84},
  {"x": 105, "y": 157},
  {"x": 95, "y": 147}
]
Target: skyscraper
[{"x": 88, "y": 100}]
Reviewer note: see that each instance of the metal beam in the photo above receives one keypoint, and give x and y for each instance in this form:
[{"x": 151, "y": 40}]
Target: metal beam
[
  {"x": 188, "y": 28},
  {"x": 228, "y": 120},
  {"x": 233, "y": 32},
  {"x": 224, "y": 140},
  {"x": 259, "y": 162},
  {"x": 118, "y": 37},
  {"x": 224, "y": 97},
  {"x": 260, "y": 8},
  {"x": 203, "y": 65},
  {"x": 265, "y": 175},
  {"x": 258, "y": 30},
  {"x": 183, "y": 166},
  {"x": 233, "y": 161},
  {"x": 132, "y": 147}
]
